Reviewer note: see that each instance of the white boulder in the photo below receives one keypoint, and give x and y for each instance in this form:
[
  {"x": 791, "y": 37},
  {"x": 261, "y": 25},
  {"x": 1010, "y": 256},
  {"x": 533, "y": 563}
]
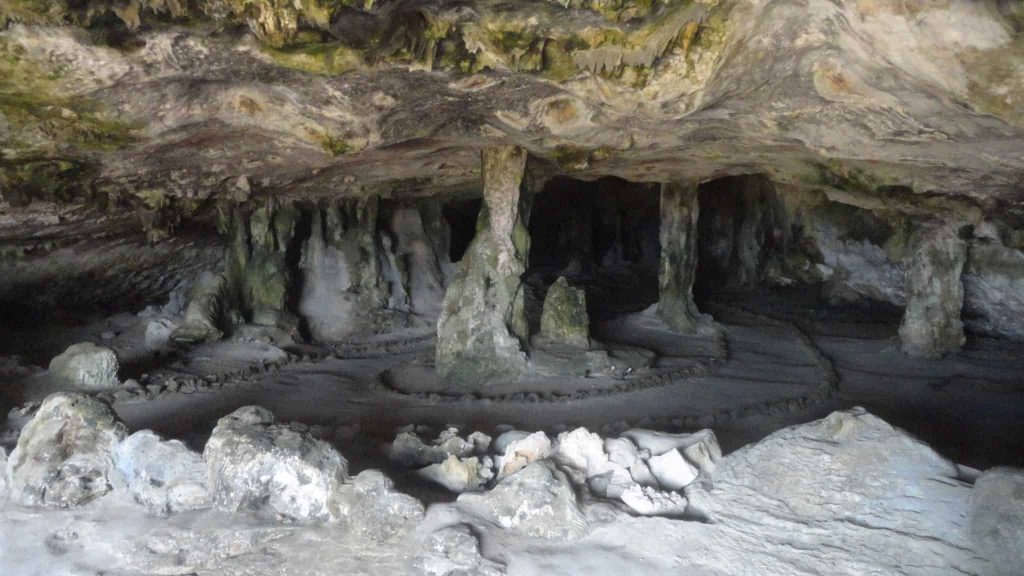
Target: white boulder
[
  {"x": 254, "y": 464},
  {"x": 64, "y": 455},
  {"x": 519, "y": 453},
  {"x": 582, "y": 450},
  {"x": 672, "y": 471},
  {"x": 87, "y": 366},
  {"x": 374, "y": 509},
  {"x": 538, "y": 501},
  {"x": 165, "y": 476},
  {"x": 459, "y": 475}
]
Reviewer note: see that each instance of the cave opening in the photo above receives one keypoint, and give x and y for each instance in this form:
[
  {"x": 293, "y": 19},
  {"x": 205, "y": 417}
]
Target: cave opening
[
  {"x": 461, "y": 216},
  {"x": 602, "y": 236}
]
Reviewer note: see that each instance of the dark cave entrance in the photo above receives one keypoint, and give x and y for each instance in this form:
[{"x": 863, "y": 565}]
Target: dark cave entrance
[
  {"x": 602, "y": 236},
  {"x": 461, "y": 216}
]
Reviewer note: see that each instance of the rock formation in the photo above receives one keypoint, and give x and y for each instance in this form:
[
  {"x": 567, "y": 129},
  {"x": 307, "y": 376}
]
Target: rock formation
[
  {"x": 935, "y": 295},
  {"x": 482, "y": 328},
  {"x": 87, "y": 366},
  {"x": 679, "y": 212}
]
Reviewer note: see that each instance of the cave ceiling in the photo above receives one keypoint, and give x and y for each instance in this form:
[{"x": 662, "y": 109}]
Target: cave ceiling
[{"x": 877, "y": 101}]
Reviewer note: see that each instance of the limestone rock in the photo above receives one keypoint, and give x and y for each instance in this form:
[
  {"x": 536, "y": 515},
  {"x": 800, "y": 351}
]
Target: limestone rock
[
  {"x": 87, "y": 366},
  {"x": 163, "y": 475},
  {"x": 612, "y": 483},
  {"x": 459, "y": 475},
  {"x": 64, "y": 456},
  {"x": 205, "y": 307},
  {"x": 647, "y": 501},
  {"x": 537, "y": 501},
  {"x": 564, "y": 318},
  {"x": 3, "y": 474},
  {"x": 679, "y": 210},
  {"x": 374, "y": 509},
  {"x": 994, "y": 289},
  {"x": 997, "y": 518},
  {"x": 158, "y": 333},
  {"x": 482, "y": 326},
  {"x": 454, "y": 551},
  {"x": 254, "y": 464},
  {"x": 583, "y": 450},
  {"x": 931, "y": 324},
  {"x": 672, "y": 471},
  {"x": 520, "y": 453},
  {"x": 409, "y": 451}
]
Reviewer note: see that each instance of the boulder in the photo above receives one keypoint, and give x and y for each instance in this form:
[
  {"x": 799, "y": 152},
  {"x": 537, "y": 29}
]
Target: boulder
[
  {"x": 374, "y": 509},
  {"x": 564, "y": 317},
  {"x": 254, "y": 464},
  {"x": 672, "y": 471},
  {"x": 204, "y": 311},
  {"x": 165, "y": 476},
  {"x": 537, "y": 501},
  {"x": 521, "y": 452},
  {"x": 997, "y": 519},
  {"x": 87, "y": 367},
  {"x": 454, "y": 551},
  {"x": 612, "y": 483},
  {"x": 459, "y": 474},
  {"x": 64, "y": 455},
  {"x": 158, "y": 333},
  {"x": 410, "y": 451},
  {"x": 582, "y": 450}
]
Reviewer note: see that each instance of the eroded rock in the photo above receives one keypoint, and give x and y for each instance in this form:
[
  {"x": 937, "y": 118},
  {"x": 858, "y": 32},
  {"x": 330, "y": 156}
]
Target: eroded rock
[
  {"x": 519, "y": 453},
  {"x": 374, "y": 509},
  {"x": 165, "y": 476},
  {"x": 679, "y": 210},
  {"x": 564, "y": 318},
  {"x": 64, "y": 456},
  {"x": 997, "y": 518},
  {"x": 254, "y": 464},
  {"x": 87, "y": 367},
  {"x": 931, "y": 324},
  {"x": 454, "y": 551},
  {"x": 536, "y": 501}
]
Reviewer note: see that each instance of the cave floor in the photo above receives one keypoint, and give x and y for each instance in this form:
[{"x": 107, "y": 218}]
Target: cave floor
[{"x": 782, "y": 358}]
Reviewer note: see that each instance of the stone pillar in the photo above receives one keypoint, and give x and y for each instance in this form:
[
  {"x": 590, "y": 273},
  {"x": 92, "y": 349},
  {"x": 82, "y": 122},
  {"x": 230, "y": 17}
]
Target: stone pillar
[
  {"x": 482, "y": 328},
  {"x": 931, "y": 323},
  {"x": 679, "y": 210}
]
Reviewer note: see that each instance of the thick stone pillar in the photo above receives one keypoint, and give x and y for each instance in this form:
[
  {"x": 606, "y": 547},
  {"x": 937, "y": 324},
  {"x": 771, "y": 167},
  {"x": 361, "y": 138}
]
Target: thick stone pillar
[
  {"x": 935, "y": 294},
  {"x": 679, "y": 211},
  {"x": 482, "y": 328}
]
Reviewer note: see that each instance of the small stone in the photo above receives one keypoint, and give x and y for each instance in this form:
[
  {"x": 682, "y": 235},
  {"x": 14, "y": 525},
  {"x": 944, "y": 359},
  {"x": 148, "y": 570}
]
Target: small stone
[
  {"x": 647, "y": 501},
  {"x": 456, "y": 474}
]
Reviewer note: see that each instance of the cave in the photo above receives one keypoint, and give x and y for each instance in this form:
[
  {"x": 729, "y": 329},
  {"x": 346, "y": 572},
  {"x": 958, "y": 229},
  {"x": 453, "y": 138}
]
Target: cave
[{"x": 480, "y": 288}]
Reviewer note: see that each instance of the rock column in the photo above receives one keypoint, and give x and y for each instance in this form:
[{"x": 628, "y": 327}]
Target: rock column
[
  {"x": 482, "y": 327},
  {"x": 679, "y": 211},
  {"x": 935, "y": 295}
]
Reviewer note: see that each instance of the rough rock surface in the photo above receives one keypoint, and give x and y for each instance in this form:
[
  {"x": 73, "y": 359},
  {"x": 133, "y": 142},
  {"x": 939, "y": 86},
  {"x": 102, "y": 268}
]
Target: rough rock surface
[
  {"x": 679, "y": 211},
  {"x": 997, "y": 518},
  {"x": 876, "y": 498},
  {"x": 87, "y": 366},
  {"x": 64, "y": 455},
  {"x": 519, "y": 453},
  {"x": 564, "y": 317},
  {"x": 459, "y": 475},
  {"x": 163, "y": 475},
  {"x": 454, "y": 551},
  {"x": 204, "y": 310},
  {"x": 254, "y": 464},
  {"x": 537, "y": 501},
  {"x": 373, "y": 509},
  {"x": 935, "y": 294},
  {"x": 482, "y": 326}
]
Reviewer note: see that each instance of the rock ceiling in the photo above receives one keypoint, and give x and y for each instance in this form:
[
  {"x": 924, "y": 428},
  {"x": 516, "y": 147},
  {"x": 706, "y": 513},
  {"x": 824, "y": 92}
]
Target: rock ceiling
[{"x": 876, "y": 101}]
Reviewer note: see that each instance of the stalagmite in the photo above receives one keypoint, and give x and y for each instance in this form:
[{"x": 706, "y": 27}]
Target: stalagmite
[
  {"x": 679, "y": 210},
  {"x": 935, "y": 294},
  {"x": 482, "y": 326}
]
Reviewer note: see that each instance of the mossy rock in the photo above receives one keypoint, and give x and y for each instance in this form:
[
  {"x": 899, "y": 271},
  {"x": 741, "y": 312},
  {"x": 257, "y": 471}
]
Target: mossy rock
[{"x": 564, "y": 318}]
